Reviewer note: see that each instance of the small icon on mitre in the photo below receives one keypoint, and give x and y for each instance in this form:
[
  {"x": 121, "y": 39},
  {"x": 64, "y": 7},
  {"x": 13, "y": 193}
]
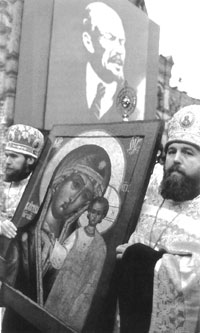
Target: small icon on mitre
[{"x": 187, "y": 120}]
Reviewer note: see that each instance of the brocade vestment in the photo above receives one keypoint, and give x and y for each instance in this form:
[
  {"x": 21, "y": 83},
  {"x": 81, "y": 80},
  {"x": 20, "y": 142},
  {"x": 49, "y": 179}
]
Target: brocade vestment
[{"x": 175, "y": 228}]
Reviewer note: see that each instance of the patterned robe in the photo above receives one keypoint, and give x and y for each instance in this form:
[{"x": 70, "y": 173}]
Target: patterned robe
[
  {"x": 175, "y": 228},
  {"x": 12, "y": 193}
]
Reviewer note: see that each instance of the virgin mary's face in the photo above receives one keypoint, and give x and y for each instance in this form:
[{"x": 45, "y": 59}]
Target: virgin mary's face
[{"x": 72, "y": 194}]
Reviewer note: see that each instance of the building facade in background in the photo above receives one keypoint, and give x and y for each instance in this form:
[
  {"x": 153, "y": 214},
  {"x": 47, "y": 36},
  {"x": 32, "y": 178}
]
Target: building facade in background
[{"x": 169, "y": 99}]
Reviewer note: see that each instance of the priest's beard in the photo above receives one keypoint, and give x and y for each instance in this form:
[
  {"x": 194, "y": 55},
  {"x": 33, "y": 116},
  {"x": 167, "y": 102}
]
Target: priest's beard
[
  {"x": 18, "y": 175},
  {"x": 178, "y": 187}
]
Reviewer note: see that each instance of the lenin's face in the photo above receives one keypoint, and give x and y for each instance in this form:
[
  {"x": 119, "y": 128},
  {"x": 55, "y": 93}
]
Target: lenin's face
[
  {"x": 108, "y": 40},
  {"x": 72, "y": 194}
]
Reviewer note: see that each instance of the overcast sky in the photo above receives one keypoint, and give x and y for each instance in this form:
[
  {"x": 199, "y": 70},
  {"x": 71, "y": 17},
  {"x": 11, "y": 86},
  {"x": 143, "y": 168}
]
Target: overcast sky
[{"x": 179, "y": 22}]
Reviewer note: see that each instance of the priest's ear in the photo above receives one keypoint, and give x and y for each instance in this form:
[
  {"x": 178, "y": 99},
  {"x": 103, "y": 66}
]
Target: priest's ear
[
  {"x": 87, "y": 41},
  {"x": 30, "y": 160}
]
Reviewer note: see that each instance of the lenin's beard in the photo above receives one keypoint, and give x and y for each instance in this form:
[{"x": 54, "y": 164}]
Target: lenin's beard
[{"x": 178, "y": 187}]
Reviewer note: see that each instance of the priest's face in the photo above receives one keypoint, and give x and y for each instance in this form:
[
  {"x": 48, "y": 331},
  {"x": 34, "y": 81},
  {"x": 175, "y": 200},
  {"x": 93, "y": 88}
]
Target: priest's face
[
  {"x": 181, "y": 179},
  {"x": 17, "y": 166}
]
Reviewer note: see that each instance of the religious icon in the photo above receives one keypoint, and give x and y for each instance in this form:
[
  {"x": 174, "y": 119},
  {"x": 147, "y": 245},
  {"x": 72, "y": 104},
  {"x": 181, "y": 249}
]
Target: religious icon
[{"x": 82, "y": 200}]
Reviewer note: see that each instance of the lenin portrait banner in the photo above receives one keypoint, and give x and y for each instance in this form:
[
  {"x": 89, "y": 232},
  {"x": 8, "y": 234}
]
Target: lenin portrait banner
[{"x": 96, "y": 62}]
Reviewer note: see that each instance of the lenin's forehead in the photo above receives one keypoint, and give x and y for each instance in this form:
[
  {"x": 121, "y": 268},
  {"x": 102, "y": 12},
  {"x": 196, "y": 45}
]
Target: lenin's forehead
[{"x": 106, "y": 19}]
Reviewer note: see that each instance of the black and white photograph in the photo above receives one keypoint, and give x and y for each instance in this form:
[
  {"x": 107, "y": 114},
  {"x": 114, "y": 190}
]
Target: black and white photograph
[{"x": 99, "y": 166}]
